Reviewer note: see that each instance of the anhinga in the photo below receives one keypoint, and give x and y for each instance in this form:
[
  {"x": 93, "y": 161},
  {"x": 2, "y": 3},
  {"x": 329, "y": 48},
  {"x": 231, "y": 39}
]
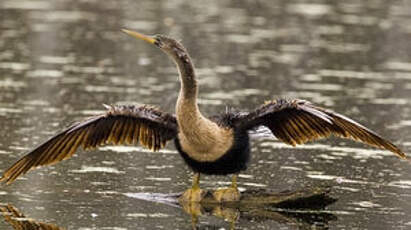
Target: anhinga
[{"x": 217, "y": 145}]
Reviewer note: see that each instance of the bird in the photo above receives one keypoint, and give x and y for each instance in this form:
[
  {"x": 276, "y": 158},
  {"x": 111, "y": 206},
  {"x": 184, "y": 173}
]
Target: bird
[{"x": 210, "y": 145}]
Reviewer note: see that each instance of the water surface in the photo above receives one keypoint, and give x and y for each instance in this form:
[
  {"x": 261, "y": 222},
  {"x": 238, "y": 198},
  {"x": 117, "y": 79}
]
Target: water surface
[{"x": 61, "y": 60}]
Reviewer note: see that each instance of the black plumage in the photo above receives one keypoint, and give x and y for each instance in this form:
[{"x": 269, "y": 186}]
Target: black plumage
[{"x": 233, "y": 161}]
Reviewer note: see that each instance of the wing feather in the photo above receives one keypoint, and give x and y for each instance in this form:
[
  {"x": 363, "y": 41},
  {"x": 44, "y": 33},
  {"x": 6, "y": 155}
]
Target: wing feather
[
  {"x": 298, "y": 121},
  {"x": 119, "y": 125}
]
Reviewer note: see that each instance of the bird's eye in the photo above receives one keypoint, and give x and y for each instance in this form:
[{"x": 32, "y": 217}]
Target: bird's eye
[{"x": 158, "y": 42}]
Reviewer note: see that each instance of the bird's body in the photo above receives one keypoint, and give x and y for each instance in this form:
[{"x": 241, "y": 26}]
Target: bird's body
[
  {"x": 230, "y": 159},
  {"x": 217, "y": 145}
]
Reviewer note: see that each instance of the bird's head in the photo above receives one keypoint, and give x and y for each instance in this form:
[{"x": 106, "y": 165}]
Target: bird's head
[{"x": 167, "y": 44}]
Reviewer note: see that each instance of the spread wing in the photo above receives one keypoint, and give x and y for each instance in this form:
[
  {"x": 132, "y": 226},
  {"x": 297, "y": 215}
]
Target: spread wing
[
  {"x": 298, "y": 121},
  {"x": 119, "y": 125}
]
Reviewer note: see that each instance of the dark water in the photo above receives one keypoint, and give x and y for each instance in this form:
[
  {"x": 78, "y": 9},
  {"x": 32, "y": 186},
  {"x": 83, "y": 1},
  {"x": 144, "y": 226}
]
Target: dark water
[{"x": 60, "y": 60}]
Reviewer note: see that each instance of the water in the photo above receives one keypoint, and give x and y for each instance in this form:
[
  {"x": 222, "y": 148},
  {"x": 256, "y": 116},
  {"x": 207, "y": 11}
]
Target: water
[{"x": 60, "y": 60}]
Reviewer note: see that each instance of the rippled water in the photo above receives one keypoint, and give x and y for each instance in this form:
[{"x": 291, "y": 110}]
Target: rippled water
[{"x": 61, "y": 60}]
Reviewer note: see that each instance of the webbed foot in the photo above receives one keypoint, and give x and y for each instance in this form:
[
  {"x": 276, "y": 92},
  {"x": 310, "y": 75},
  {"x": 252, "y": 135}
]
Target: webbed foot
[
  {"x": 227, "y": 194},
  {"x": 192, "y": 195},
  {"x": 195, "y": 193}
]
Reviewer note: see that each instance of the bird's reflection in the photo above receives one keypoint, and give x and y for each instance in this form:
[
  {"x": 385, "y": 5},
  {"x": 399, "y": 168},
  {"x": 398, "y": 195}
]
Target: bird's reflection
[
  {"x": 20, "y": 222},
  {"x": 312, "y": 219},
  {"x": 303, "y": 208}
]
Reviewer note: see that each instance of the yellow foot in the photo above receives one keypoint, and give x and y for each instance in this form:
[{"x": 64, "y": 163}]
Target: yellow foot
[
  {"x": 190, "y": 201},
  {"x": 192, "y": 195},
  {"x": 227, "y": 194}
]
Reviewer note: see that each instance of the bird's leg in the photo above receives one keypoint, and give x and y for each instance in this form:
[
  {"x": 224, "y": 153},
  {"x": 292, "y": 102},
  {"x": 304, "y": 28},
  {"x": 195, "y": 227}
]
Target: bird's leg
[
  {"x": 190, "y": 200},
  {"x": 195, "y": 193},
  {"x": 228, "y": 194}
]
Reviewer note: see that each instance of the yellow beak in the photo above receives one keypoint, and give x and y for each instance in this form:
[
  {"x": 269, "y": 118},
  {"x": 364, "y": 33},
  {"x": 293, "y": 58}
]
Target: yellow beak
[{"x": 139, "y": 36}]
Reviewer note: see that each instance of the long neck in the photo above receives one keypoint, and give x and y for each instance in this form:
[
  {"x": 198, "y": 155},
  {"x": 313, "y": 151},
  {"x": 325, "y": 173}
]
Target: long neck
[
  {"x": 187, "y": 99},
  {"x": 189, "y": 88},
  {"x": 201, "y": 138},
  {"x": 189, "y": 116}
]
